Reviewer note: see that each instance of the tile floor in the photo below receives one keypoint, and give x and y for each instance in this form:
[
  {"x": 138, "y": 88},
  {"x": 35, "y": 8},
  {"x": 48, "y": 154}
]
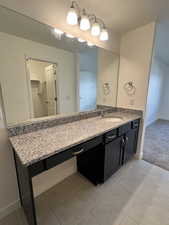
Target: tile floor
[{"x": 138, "y": 194}]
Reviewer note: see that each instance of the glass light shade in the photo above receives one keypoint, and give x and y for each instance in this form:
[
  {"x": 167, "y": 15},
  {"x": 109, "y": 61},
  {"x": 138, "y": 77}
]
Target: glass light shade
[
  {"x": 84, "y": 23},
  {"x": 81, "y": 40},
  {"x": 72, "y": 17},
  {"x": 90, "y": 44},
  {"x": 69, "y": 36},
  {"x": 104, "y": 36},
  {"x": 95, "y": 31},
  {"x": 57, "y": 31}
]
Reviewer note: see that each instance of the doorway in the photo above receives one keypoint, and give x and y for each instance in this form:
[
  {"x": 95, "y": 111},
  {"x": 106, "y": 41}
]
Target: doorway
[
  {"x": 43, "y": 83},
  {"x": 156, "y": 142}
]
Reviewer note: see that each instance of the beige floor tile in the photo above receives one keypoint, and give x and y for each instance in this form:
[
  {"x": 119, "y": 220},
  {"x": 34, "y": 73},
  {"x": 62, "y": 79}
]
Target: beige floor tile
[
  {"x": 128, "y": 221},
  {"x": 11, "y": 219},
  {"x": 90, "y": 220},
  {"x": 45, "y": 216},
  {"x": 136, "y": 195}
]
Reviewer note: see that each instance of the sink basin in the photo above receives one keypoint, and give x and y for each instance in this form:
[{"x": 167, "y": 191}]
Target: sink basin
[{"x": 113, "y": 119}]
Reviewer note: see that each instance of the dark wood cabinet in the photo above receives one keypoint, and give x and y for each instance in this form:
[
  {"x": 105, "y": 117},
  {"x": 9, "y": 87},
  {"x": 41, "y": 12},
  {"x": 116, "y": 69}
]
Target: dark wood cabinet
[
  {"x": 113, "y": 157},
  {"x": 130, "y": 144},
  {"x": 90, "y": 164},
  {"x": 118, "y": 146}
]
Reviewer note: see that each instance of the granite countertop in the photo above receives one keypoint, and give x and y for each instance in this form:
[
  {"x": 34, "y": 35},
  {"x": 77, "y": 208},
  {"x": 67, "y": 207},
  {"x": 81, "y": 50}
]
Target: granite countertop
[{"x": 35, "y": 146}]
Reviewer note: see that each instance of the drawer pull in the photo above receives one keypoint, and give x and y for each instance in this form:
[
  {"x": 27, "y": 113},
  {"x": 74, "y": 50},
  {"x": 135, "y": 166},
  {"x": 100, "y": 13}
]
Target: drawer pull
[
  {"x": 77, "y": 153},
  {"x": 111, "y": 137}
]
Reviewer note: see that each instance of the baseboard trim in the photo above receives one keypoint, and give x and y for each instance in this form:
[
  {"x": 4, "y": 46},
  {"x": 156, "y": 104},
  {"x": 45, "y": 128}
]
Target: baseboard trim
[
  {"x": 152, "y": 121},
  {"x": 139, "y": 156},
  {"x": 9, "y": 209}
]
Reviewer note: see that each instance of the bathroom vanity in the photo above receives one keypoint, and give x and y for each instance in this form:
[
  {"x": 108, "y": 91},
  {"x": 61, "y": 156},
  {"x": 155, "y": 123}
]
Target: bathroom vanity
[
  {"x": 100, "y": 145},
  {"x": 60, "y": 102}
]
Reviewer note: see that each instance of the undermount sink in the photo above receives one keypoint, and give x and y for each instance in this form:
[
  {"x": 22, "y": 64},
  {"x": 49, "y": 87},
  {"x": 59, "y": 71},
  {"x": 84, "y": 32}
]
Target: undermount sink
[{"x": 113, "y": 119}]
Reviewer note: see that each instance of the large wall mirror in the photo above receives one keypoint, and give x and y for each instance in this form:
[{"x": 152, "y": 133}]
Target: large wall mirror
[{"x": 42, "y": 75}]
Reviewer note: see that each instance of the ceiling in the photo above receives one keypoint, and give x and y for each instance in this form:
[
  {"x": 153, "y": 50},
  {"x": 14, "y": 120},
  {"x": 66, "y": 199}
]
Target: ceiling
[
  {"x": 162, "y": 41},
  {"x": 119, "y": 15},
  {"x": 124, "y": 15}
]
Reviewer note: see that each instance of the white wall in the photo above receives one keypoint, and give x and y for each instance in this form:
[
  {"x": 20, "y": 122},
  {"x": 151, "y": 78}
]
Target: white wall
[
  {"x": 135, "y": 62},
  {"x": 156, "y": 91},
  {"x": 108, "y": 65},
  {"x": 8, "y": 187},
  {"x": 13, "y": 74}
]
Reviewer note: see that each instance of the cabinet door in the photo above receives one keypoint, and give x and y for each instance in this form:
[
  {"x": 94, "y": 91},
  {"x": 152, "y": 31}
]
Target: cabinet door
[
  {"x": 91, "y": 164},
  {"x": 112, "y": 157},
  {"x": 131, "y": 144}
]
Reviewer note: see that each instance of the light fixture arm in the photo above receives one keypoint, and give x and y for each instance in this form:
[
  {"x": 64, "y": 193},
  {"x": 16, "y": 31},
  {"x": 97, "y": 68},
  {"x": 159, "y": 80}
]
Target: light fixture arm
[
  {"x": 101, "y": 22},
  {"x": 76, "y": 6},
  {"x": 95, "y": 19}
]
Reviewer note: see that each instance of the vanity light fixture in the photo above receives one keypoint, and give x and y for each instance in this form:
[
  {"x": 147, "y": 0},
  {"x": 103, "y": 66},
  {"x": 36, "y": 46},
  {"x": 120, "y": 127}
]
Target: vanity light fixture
[
  {"x": 95, "y": 30},
  {"x": 58, "y": 31},
  {"x": 72, "y": 16},
  {"x": 104, "y": 36},
  {"x": 69, "y": 36},
  {"x": 86, "y": 21},
  {"x": 90, "y": 44},
  {"x": 81, "y": 40}
]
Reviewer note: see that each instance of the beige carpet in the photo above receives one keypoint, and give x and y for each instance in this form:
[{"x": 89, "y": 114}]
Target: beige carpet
[{"x": 156, "y": 144}]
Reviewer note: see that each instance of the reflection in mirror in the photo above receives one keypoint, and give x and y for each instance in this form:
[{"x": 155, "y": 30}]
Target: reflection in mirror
[
  {"x": 43, "y": 87},
  {"x": 88, "y": 79},
  {"x": 43, "y": 76}
]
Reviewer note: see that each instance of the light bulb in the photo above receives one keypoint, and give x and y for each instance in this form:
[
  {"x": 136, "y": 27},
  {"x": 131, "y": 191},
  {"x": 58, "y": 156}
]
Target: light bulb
[
  {"x": 104, "y": 36},
  {"x": 69, "y": 36},
  {"x": 57, "y": 31},
  {"x": 81, "y": 40},
  {"x": 90, "y": 44},
  {"x": 84, "y": 23},
  {"x": 72, "y": 17},
  {"x": 95, "y": 31}
]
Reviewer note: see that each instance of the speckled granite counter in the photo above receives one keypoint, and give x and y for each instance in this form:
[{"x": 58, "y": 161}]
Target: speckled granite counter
[{"x": 35, "y": 146}]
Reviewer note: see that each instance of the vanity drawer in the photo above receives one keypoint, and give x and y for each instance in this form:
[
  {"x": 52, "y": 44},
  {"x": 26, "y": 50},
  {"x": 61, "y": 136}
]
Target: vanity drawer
[
  {"x": 36, "y": 168},
  {"x": 124, "y": 129},
  {"x": 58, "y": 158},
  {"x": 92, "y": 143},
  {"x": 111, "y": 135},
  {"x": 71, "y": 152},
  {"x": 88, "y": 145}
]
